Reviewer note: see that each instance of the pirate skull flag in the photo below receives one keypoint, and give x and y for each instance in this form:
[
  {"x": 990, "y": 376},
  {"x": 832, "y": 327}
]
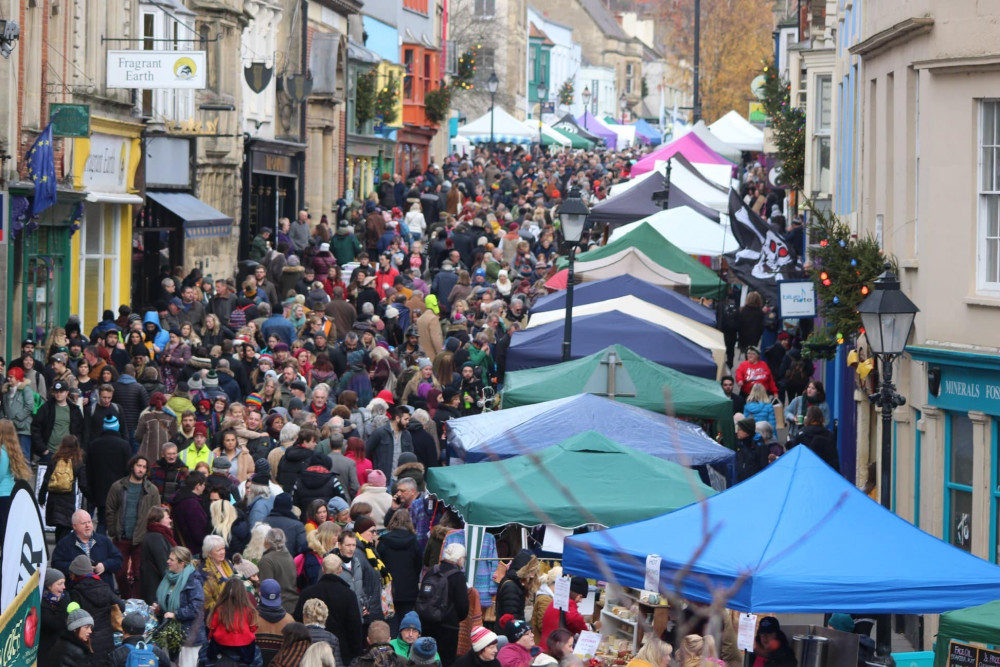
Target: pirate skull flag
[{"x": 763, "y": 257}]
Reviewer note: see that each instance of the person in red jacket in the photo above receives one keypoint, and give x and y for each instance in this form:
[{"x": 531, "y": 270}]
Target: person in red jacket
[
  {"x": 232, "y": 627},
  {"x": 754, "y": 371},
  {"x": 572, "y": 619}
]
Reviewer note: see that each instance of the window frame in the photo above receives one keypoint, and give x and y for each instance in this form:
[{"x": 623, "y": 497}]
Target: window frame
[
  {"x": 950, "y": 486},
  {"x": 983, "y": 283},
  {"x": 484, "y": 9},
  {"x": 994, "y": 552}
]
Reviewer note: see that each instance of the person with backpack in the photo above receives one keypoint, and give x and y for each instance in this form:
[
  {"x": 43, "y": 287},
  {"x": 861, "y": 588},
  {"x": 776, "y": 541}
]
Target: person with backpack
[
  {"x": 443, "y": 601},
  {"x": 135, "y": 651}
]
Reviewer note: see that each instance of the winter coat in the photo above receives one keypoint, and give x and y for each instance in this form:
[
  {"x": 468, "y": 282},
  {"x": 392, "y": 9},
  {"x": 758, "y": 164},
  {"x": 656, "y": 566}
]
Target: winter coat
[
  {"x": 114, "y": 453},
  {"x": 346, "y": 472},
  {"x": 96, "y": 597},
  {"x": 315, "y": 483},
  {"x": 167, "y": 477},
  {"x": 191, "y": 612},
  {"x": 511, "y": 594},
  {"x": 822, "y": 443},
  {"x": 399, "y": 551},
  {"x": 18, "y": 407},
  {"x": 429, "y": 329},
  {"x": 751, "y": 326},
  {"x": 69, "y": 651},
  {"x": 292, "y": 465},
  {"x": 191, "y": 523},
  {"x": 119, "y": 657},
  {"x": 380, "y": 500},
  {"x": 153, "y": 566},
  {"x": 379, "y": 447},
  {"x": 154, "y": 429},
  {"x": 53, "y": 625},
  {"x": 132, "y": 398},
  {"x": 295, "y": 532},
  {"x": 458, "y": 597},
  {"x": 59, "y": 507},
  {"x": 44, "y": 420},
  {"x": 149, "y": 498},
  {"x": 751, "y": 457},
  {"x": 514, "y": 655},
  {"x": 102, "y": 550},
  {"x": 761, "y": 412},
  {"x": 344, "y": 621},
  {"x": 279, "y": 565}
]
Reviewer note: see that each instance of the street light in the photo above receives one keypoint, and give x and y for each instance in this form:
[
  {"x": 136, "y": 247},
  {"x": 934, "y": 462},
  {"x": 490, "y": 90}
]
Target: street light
[
  {"x": 543, "y": 94},
  {"x": 572, "y": 219},
  {"x": 887, "y": 317},
  {"x": 586, "y": 104},
  {"x": 492, "y": 84},
  {"x": 622, "y": 103}
]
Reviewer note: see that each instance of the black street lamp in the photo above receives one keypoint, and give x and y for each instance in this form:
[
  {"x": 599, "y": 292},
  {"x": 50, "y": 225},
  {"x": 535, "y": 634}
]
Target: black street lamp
[
  {"x": 543, "y": 94},
  {"x": 492, "y": 84},
  {"x": 622, "y": 104},
  {"x": 887, "y": 316},
  {"x": 572, "y": 219},
  {"x": 586, "y": 104}
]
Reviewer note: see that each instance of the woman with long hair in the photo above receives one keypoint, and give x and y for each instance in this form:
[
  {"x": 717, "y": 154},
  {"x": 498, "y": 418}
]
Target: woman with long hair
[
  {"x": 214, "y": 332},
  {"x": 654, "y": 653},
  {"x": 385, "y": 369},
  {"x": 319, "y": 655},
  {"x": 229, "y": 523},
  {"x": 180, "y": 596},
  {"x": 18, "y": 405},
  {"x": 86, "y": 386},
  {"x": 189, "y": 337},
  {"x": 13, "y": 465},
  {"x": 173, "y": 359},
  {"x": 255, "y": 548},
  {"x": 59, "y": 496},
  {"x": 316, "y": 515},
  {"x": 240, "y": 461},
  {"x": 758, "y": 405},
  {"x": 232, "y": 624},
  {"x": 271, "y": 397},
  {"x": 356, "y": 452},
  {"x": 295, "y": 641}
]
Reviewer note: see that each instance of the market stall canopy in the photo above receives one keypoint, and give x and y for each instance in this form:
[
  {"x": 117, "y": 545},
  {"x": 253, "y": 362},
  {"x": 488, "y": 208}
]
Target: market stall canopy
[
  {"x": 637, "y": 203},
  {"x": 542, "y": 346},
  {"x": 506, "y": 129},
  {"x": 568, "y": 125},
  {"x": 702, "y": 335},
  {"x": 626, "y": 133},
  {"x": 516, "y": 431},
  {"x": 738, "y": 132},
  {"x": 596, "y": 126},
  {"x": 574, "y": 483},
  {"x": 980, "y": 624},
  {"x": 624, "y": 285},
  {"x": 691, "y": 182},
  {"x": 646, "y": 254},
  {"x": 558, "y": 281},
  {"x": 646, "y": 133},
  {"x": 792, "y": 530},
  {"x": 715, "y": 143},
  {"x": 619, "y": 373},
  {"x": 690, "y": 146},
  {"x": 549, "y": 136},
  {"x": 688, "y": 230}
]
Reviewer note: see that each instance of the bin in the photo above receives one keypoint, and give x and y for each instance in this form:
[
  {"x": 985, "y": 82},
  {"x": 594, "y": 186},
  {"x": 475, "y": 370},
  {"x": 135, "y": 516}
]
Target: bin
[{"x": 811, "y": 650}]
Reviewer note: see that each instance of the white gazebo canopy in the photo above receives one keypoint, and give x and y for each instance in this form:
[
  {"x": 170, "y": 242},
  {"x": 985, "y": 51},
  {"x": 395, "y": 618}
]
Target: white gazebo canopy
[
  {"x": 547, "y": 130},
  {"x": 738, "y": 132},
  {"x": 506, "y": 129},
  {"x": 687, "y": 229}
]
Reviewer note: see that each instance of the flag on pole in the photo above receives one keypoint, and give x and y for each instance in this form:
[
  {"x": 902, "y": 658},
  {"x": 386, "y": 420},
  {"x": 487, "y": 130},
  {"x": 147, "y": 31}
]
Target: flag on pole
[
  {"x": 763, "y": 257},
  {"x": 42, "y": 170}
]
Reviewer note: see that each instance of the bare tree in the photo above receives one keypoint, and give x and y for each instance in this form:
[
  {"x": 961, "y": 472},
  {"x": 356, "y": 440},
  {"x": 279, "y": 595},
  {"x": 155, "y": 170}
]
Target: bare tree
[{"x": 467, "y": 30}]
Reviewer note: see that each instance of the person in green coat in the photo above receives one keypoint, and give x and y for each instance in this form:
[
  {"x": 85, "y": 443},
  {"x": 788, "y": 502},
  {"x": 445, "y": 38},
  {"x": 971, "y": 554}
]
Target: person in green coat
[
  {"x": 409, "y": 632},
  {"x": 259, "y": 247}
]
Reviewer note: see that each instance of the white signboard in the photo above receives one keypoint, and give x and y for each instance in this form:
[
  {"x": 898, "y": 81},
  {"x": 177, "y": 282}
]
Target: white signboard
[
  {"x": 586, "y": 644},
  {"x": 560, "y": 596},
  {"x": 747, "y": 632},
  {"x": 652, "y": 572},
  {"x": 107, "y": 165},
  {"x": 156, "y": 69},
  {"x": 796, "y": 298}
]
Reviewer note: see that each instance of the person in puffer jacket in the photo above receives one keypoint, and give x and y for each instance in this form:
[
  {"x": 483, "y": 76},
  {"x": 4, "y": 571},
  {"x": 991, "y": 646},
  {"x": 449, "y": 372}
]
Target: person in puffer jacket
[
  {"x": 316, "y": 482},
  {"x": 518, "y": 585}
]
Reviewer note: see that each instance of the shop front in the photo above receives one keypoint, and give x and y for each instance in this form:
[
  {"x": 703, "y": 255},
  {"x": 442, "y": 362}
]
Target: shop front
[
  {"x": 272, "y": 186},
  {"x": 367, "y": 159},
  {"x": 413, "y": 149}
]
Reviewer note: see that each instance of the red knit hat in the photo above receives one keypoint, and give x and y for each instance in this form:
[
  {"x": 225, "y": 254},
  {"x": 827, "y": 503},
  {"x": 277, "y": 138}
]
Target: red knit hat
[{"x": 201, "y": 429}]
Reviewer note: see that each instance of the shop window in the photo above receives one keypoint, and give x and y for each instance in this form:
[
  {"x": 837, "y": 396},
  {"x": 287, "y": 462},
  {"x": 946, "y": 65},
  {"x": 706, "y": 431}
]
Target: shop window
[
  {"x": 408, "y": 89},
  {"x": 485, "y": 9},
  {"x": 958, "y": 481},
  {"x": 995, "y": 491},
  {"x": 988, "y": 242},
  {"x": 99, "y": 267},
  {"x": 416, "y": 5}
]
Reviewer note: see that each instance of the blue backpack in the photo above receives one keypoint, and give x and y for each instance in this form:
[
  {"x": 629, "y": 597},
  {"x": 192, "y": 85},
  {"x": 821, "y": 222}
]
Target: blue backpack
[{"x": 141, "y": 655}]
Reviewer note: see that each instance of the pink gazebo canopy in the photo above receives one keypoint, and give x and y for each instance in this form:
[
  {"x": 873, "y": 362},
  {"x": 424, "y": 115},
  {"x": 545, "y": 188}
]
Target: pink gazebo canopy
[{"x": 690, "y": 146}]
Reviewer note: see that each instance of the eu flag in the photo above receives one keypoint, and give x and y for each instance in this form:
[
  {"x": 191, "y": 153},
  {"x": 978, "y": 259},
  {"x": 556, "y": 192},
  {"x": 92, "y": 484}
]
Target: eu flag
[{"x": 42, "y": 170}]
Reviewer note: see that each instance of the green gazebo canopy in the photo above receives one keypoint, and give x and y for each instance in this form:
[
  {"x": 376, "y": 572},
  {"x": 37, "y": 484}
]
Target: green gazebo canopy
[
  {"x": 636, "y": 381},
  {"x": 582, "y": 480},
  {"x": 979, "y": 624},
  {"x": 578, "y": 141}
]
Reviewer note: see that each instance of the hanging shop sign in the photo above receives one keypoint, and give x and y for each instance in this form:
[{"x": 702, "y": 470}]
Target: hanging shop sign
[
  {"x": 106, "y": 169},
  {"x": 257, "y": 75},
  {"x": 156, "y": 69}
]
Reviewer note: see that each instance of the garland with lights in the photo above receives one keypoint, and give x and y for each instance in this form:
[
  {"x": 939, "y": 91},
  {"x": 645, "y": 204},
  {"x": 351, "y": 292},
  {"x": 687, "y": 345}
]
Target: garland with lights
[
  {"x": 566, "y": 92},
  {"x": 844, "y": 270},
  {"x": 466, "y": 74},
  {"x": 387, "y": 100},
  {"x": 364, "y": 98},
  {"x": 788, "y": 125},
  {"x": 437, "y": 104}
]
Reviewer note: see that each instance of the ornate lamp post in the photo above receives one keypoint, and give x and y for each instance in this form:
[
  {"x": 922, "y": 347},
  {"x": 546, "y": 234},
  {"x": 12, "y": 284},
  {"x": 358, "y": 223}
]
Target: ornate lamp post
[
  {"x": 573, "y": 215},
  {"x": 492, "y": 84}
]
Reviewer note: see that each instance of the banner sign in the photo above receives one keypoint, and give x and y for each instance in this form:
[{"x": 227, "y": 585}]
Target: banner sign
[
  {"x": 156, "y": 69},
  {"x": 22, "y": 566},
  {"x": 796, "y": 298}
]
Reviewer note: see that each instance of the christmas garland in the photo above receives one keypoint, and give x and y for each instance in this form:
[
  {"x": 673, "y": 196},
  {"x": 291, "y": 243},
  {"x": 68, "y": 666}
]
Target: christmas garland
[
  {"x": 364, "y": 98},
  {"x": 566, "y": 92},
  {"x": 437, "y": 104},
  {"x": 463, "y": 78},
  {"x": 788, "y": 125},
  {"x": 387, "y": 100},
  {"x": 844, "y": 270}
]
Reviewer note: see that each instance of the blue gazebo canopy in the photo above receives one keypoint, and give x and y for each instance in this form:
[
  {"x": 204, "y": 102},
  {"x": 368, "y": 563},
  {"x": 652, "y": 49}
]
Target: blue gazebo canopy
[
  {"x": 805, "y": 539},
  {"x": 648, "y": 132}
]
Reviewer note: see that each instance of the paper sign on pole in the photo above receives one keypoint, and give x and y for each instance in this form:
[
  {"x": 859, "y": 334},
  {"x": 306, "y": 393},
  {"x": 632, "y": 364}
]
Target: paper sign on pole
[
  {"x": 652, "y": 573},
  {"x": 586, "y": 644},
  {"x": 748, "y": 629},
  {"x": 560, "y": 596},
  {"x": 554, "y": 537}
]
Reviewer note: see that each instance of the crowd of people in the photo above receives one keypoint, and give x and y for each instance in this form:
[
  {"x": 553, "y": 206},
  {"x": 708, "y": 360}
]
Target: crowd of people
[{"x": 247, "y": 454}]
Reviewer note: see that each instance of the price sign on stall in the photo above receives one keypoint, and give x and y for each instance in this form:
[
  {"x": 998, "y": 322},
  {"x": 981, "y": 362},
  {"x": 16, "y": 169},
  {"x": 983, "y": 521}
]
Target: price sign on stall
[{"x": 962, "y": 655}]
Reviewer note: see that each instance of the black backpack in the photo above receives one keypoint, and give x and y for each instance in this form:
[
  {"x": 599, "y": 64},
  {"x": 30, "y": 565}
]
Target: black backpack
[{"x": 433, "y": 601}]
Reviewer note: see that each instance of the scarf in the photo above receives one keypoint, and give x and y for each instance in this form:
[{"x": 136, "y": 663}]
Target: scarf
[
  {"x": 271, "y": 614},
  {"x": 157, "y": 527},
  {"x": 168, "y": 593}
]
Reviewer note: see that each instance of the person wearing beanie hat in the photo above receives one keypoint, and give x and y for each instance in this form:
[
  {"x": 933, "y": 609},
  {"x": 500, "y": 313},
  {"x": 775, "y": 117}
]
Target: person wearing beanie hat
[
  {"x": 520, "y": 641},
  {"x": 73, "y": 646},
  {"x": 254, "y": 401},
  {"x": 282, "y": 517},
  {"x": 482, "y": 639},
  {"x": 424, "y": 652},
  {"x": 133, "y": 632},
  {"x": 570, "y": 619},
  {"x": 87, "y": 588},
  {"x": 751, "y": 453},
  {"x": 199, "y": 451},
  {"x": 409, "y": 633},
  {"x": 55, "y": 600}
]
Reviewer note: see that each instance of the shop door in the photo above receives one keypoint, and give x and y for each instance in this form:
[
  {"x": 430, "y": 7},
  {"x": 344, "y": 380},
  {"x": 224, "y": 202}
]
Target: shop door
[{"x": 41, "y": 281}]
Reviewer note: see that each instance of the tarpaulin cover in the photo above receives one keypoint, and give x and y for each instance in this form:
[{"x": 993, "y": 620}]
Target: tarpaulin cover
[
  {"x": 637, "y": 381},
  {"x": 648, "y": 132},
  {"x": 637, "y": 203},
  {"x": 690, "y": 146},
  {"x": 979, "y": 624},
  {"x": 807, "y": 541},
  {"x": 516, "y": 431},
  {"x": 702, "y": 280},
  {"x": 592, "y": 124},
  {"x": 542, "y": 346},
  {"x": 577, "y": 482},
  {"x": 611, "y": 288}
]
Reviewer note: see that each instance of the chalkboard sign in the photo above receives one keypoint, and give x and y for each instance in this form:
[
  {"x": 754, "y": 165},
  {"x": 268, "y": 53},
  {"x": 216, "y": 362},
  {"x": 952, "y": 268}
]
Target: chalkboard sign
[
  {"x": 962, "y": 655},
  {"x": 70, "y": 120},
  {"x": 988, "y": 658}
]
